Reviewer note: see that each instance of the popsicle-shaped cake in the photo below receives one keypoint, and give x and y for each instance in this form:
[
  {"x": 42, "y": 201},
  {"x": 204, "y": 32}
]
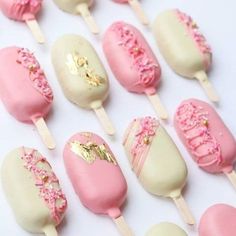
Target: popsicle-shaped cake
[
  {"x": 218, "y": 220},
  {"x": 82, "y": 76},
  {"x": 33, "y": 191},
  {"x": 157, "y": 162},
  {"x": 166, "y": 229},
  {"x": 135, "y": 4},
  {"x": 96, "y": 177},
  {"x": 206, "y": 137},
  {"x": 26, "y": 11},
  {"x": 24, "y": 89},
  {"x": 134, "y": 64},
  {"x": 79, "y": 7},
  {"x": 184, "y": 47}
]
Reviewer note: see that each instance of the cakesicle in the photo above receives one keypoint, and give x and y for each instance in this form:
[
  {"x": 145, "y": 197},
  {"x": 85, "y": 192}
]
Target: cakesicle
[
  {"x": 184, "y": 47},
  {"x": 157, "y": 162},
  {"x": 82, "y": 76},
  {"x": 33, "y": 191},
  {"x": 166, "y": 229},
  {"x": 24, "y": 89},
  {"x": 79, "y": 7},
  {"x": 96, "y": 177},
  {"x": 206, "y": 137},
  {"x": 218, "y": 220},
  {"x": 133, "y": 62},
  {"x": 26, "y": 11}
]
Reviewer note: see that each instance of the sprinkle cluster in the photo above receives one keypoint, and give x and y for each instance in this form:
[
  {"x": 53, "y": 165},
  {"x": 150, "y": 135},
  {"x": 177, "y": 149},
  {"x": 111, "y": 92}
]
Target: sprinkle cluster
[
  {"x": 47, "y": 183},
  {"x": 195, "y": 32},
  {"x": 36, "y": 74},
  {"x": 194, "y": 123},
  {"x": 143, "y": 138},
  {"x": 33, "y": 3},
  {"x": 147, "y": 69}
]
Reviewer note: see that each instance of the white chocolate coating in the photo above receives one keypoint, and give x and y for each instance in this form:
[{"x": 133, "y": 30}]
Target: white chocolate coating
[
  {"x": 23, "y": 195},
  {"x": 166, "y": 229},
  {"x": 71, "y": 6},
  {"x": 178, "y": 46},
  {"x": 71, "y": 56},
  {"x": 164, "y": 171}
]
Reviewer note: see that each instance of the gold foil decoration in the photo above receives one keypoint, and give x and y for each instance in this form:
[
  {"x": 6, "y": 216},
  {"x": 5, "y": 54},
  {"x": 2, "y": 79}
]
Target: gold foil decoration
[
  {"x": 90, "y": 151},
  {"x": 79, "y": 65}
]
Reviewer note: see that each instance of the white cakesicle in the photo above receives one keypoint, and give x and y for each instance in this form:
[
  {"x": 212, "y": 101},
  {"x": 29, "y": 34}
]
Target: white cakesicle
[
  {"x": 166, "y": 229},
  {"x": 82, "y": 76},
  {"x": 184, "y": 47},
  {"x": 157, "y": 161},
  {"x": 33, "y": 191},
  {"x": 79, "y": 7}
]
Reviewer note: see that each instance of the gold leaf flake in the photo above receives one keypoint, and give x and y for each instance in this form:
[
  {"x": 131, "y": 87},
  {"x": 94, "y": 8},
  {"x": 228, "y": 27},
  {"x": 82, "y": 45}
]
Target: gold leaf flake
[
  {"x": 79, "y": 65},
  {"x": 84, "y": 151},
  {"x": 90, "y": 151}
]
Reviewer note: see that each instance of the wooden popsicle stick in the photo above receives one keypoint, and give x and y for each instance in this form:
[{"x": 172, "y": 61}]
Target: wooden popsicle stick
[
  {"x": 36, "y": 31},
  {"x": 232, "y": 177},
  {"x": 122, "y": 226},
  {"x": 83, "y": 9},
  {"x": 50, "y": 230},
  {"x": 104, "y": 120},
  {"x": 201, "y": 76},
  {"x": 44, "y": 133},
  {"x": 139, "y": 11},
  {"x": 159, "y": 108},
  {"x": 184, "y": 210}
]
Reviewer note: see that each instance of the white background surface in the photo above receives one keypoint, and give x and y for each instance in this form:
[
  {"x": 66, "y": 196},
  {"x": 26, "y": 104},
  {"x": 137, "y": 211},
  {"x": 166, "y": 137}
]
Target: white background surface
[{"x": 216, "y": 20}]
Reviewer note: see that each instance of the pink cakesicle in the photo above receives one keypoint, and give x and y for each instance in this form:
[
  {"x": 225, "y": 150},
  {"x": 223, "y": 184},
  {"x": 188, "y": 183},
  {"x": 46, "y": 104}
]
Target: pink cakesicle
[
  {"x": 134, "y": 64},
  {"x": 137, "y": 9},
  {"x": 24, "y": 10},
  {"x": 96, "y": 177},
  {"x": 206, "y": 137},
  {"x": 24, "y": 89},
  {"x": 218, "y": 220}
]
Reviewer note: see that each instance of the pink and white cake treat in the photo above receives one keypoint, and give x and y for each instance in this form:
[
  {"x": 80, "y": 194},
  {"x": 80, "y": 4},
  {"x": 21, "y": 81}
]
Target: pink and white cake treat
[
  {"x": 96, "y": 176},
  {"x": 33, "y": 191},
  {"x": 24, "y": 89},
  {"x": 218, "y": 220},
  {"x": 157, "y": 162},
  {"x": 133, "y": 62},
  {"x": 26, "y": 11},
  {"x": 206, "y": 137},
  {"x": 184, "y": 47}
]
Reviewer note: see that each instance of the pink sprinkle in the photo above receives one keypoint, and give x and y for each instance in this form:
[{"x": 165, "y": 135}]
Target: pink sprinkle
[
  {"x": 27, "y": 60},
  {"x": 45, "y": 180}
]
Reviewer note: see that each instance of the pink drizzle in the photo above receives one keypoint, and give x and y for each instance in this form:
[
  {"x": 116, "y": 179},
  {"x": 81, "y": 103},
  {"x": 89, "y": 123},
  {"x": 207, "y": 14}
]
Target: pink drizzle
[
  {"x": 194, "y": 31},
  {"x": 145, "y": 66},
  {"x": 147, "y": 130},
  {"x": 36, "y": 74},
  {"x": 193, "y": 121},
  {"x": 32, "y": 3},
  {"x": 47, "y": 183},
  {"x": 25, "y": 9}
]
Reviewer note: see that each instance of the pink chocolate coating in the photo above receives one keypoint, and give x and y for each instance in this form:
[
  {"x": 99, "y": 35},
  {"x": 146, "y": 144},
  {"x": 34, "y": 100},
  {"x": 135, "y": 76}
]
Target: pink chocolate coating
[
  {"x": 24, "y": 89},
  {"x": 21, "y": 10},
  {"x": 97, "y": 179},
  {"x": 131, "y": 58},
  {"x": 218, "y": 220},
  {"x": 205, "y": 135}
]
